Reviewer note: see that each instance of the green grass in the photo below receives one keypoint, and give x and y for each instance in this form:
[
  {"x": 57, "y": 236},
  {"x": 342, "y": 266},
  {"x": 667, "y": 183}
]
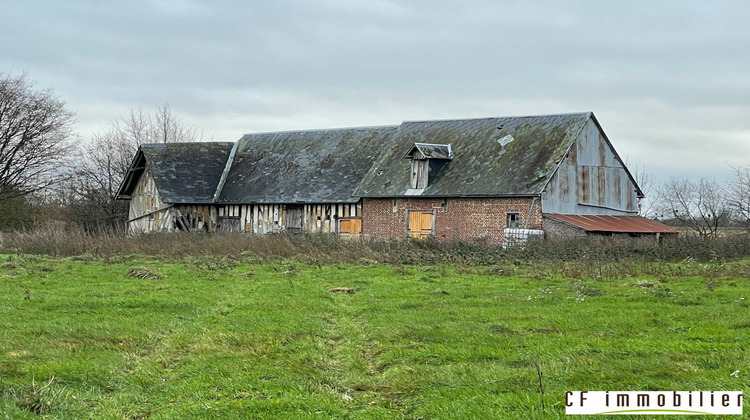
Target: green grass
[{"x": 222, "y": 338}]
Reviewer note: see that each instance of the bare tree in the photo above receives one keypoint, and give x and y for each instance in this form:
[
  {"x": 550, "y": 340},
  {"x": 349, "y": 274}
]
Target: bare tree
[
  {"x": 101, "y": 165},
  {"x": 699, "y": 206},
  {"x": 738, "y": 195},
  {"x": 647, "y": 205},
  {"x": 161, "y": 126},
  {"x": 104, "y": 161},
  {"x": 35, "y": 129},
  {"x": 166, "y": 128}
]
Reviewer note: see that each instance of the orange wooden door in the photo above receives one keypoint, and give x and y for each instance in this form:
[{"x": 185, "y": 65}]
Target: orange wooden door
[
  {"x": 350, "y": 226},
  {"x": 420, "y": 224}
]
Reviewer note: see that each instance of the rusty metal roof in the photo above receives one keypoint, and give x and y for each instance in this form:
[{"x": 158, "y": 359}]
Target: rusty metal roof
[{"x": 614, "y": 224}]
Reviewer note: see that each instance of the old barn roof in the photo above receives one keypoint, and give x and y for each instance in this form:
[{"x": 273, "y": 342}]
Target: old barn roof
[
  {"x": 505, "y": 156},
  {"x": 183, "y": 172},
  {"x": 322, "y": 166},
  {"x": 491, "y": 157},
  {"x": 613, "y": 224}
]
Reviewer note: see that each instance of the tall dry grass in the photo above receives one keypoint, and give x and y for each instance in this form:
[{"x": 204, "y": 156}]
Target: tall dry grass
[
  {"x": 73, "y": 242},
  {"x": 57, "y": 241}
]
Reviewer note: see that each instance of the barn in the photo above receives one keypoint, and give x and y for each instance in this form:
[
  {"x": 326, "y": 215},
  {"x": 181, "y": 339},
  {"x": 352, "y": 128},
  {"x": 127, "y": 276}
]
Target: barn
[
  {"x": 172, "y": 185},
  {"x": 498, "y": 180}
]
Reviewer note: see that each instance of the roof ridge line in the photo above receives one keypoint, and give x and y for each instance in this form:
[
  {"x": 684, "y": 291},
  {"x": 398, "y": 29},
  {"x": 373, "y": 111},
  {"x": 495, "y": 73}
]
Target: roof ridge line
[
  {"x": 565, "y": 114},
  {"x": 317, "y": 130}
]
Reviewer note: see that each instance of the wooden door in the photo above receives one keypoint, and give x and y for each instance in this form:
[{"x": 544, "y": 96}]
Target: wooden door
[
  {"x": 294, "y": 218},
  {"x": 229, "y": 224},
  {"x": 350, "y": 227},
  {"x": 420, "y": 223}
]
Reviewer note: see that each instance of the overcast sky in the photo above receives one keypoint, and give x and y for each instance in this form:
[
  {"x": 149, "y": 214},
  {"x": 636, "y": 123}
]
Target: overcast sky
[{"x": 668, "y": 80}]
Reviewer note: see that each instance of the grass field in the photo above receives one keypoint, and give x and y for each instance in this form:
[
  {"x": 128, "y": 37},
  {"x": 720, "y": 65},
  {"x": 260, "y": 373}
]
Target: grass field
[{"x": 138, "y": 337}]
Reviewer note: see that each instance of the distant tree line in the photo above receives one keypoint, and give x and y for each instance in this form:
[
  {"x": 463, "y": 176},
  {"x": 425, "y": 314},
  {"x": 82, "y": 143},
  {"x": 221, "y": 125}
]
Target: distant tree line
[
  {"x": 702, "y": 207},
  {"x": 48, "y": 175}
]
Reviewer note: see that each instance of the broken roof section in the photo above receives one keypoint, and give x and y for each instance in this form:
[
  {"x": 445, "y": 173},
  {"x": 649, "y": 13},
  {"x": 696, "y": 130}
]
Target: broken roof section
[
  {"x": 322, "y": 166},
  {"x": 183, "y": 172},
  {"x": 484, "y": 162},
  {"x": 613, "y": 224}
]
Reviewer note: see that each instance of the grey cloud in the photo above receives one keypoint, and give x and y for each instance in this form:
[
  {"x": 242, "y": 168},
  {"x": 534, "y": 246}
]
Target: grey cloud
[{"x": 660, "y": 75}]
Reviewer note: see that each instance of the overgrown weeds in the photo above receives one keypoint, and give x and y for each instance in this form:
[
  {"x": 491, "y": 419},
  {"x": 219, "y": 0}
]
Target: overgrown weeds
[{"x": 609, "y": 258}]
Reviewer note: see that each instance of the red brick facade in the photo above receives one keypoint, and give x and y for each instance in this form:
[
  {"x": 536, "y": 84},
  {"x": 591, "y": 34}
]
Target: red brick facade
[{"x": 455, "y": 218}]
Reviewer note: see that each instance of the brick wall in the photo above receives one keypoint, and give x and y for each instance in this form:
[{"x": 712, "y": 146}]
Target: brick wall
[
  {"x": 556, "y": 229},
  {"x": 455, "y": 218}
]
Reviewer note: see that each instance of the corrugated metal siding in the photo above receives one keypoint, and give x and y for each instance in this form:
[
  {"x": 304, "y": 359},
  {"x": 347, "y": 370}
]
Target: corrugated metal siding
[{"x": 590, "y": 179}]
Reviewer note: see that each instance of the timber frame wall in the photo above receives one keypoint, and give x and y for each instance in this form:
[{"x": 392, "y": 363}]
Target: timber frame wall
[
  {"x": 245, "y": 218},
  {"x": 147, "y": 213},
  {"x": 272, "y": 218}
]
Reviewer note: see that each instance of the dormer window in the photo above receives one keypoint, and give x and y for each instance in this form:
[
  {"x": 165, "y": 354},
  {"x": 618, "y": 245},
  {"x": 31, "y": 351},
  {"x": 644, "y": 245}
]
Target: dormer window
[{"x": 426, "y": 161}]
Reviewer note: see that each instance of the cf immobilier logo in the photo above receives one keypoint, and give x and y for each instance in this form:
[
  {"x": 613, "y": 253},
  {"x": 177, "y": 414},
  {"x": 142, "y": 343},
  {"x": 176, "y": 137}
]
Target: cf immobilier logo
[{"x": 653, "y": 402}]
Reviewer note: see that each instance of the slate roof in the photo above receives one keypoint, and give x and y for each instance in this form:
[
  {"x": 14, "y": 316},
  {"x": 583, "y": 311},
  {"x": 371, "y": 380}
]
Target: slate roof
[
  {"x": 508, "y": 156},
  {"x": 505, "y": 156},
  {"x": 322, "y": 166},
  {"x": 183, "y": 172}
]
